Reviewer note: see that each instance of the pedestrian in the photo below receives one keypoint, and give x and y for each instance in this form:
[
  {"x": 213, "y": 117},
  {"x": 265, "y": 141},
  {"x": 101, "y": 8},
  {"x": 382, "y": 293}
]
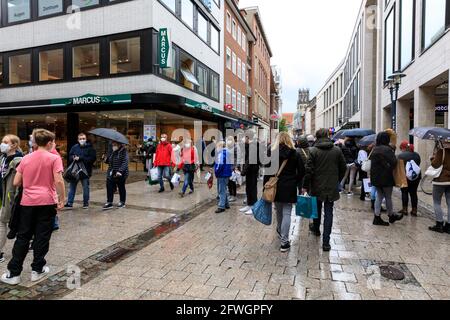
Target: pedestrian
[
  {"x": 83, "y": 153},
  {"x": 350, "y": 152},
  {"x": 408, "y": 156},
  {"x": 232, "y": 183},
  {"x": 250, "y": 171},
  {"x": 325, "y": 169},
  {"x": 441, "y": 186},
  {"x": 163, "y": 161},
  {"x": 382, "y": 177},
  {"x": 303, "y": 149},
  {"x": 223, "y": 171},
  {"x": 189, "y": 164},
  {"x": 11, "y": 155},
  {"x": 40, "y": 175},
  {"x": 362, "y": 157},
  {"x": 311, "y": 140},
  {"x": 148, "y": 150},
  {"x": 117, "y": 175},
  {"x": 292, "y": 172}
]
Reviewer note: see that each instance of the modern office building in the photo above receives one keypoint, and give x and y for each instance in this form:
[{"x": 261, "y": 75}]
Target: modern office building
[{"x": 145, "y": 67}]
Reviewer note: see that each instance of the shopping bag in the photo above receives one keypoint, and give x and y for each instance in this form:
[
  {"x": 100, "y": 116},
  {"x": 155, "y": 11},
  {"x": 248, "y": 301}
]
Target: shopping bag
[
  {"x": 367, "y": 185},
  {"x": 208, "y": 176},
  {"x": 238, "y": 177},
  {"x": 307, "y": 207},
  {"x": 400, "y": 175},
  {"x": 154, "y": 176},
  {"x": 176, "y": 180},
  {"x": 262, "y": 211}
]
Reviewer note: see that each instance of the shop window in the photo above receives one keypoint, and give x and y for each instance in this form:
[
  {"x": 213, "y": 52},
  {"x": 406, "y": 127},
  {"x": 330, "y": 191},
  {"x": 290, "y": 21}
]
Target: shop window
[
  {"x": 1, "y": 71},
  {"x": 187, "y": 12},
  {"x": 125, "y": 55},
  {"x": 85, "y": 3},
  {"x": 203, "y": 27},
  {"x": 215, "y": 87},
  {"x": 18, "y": 10},
  {"x": 49, "y": 7},
  {"x": 171, "y": 72},
  {"x": 51, "y": 65},
  {"x": 187, "y": 67},
  {"x": 20, "y": 69},
  {"x": 86, "y": 61},
  {"x": 202, "y": 79}
]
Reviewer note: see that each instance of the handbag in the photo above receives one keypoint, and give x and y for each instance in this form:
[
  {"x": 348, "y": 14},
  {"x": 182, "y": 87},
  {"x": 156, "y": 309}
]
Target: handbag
[
  {"x": 262, "y": 211},
  {"x": 176, "y": 179},
  {"x": 307, "y": 207},
  {"x": 434, "y": 173},
  {"x": 154, "y": 176},
  {"x": 14, "y": 221},
  {"x": 270, "y": 188},
  {"x": 400, "y": 175},
  {"x": 367, "y": 164}
]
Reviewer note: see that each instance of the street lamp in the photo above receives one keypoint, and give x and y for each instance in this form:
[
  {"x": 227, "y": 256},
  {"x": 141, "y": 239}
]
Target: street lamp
[{"x": 393, "y": 83}]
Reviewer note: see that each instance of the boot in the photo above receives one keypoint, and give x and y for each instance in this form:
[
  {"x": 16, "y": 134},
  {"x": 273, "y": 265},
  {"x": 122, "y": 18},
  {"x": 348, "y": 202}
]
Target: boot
[
  {"x": 447, "y": 228},
  {"x": 404, "y": 211},
  {"x": 373, "y": 204},
  {"x": 377, "y": 221},
  {"x": 414, "y": 212},
  {"x": 394, "y": 218},
  {"x": 439, "y": 227}
]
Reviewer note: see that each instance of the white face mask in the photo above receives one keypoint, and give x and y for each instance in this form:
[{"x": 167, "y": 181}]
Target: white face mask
[
  {"x": 82, "y": 142},
  {"x": 115, "y": 148},
  {"x": 163, "y": 139},
  {"x": 5, "y": 148},
  {"x": 187, "y": 145}
]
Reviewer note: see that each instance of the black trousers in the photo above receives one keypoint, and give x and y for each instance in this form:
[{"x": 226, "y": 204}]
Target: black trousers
[
  {"x": 37, "y": 223},
  {"x": 232, "y": 188},
  {"x": 363, "y": 175},
  {"x": 114, "y": 184},
  {"x": 328, "y": 208},
  {"x": 411, "y": 191},
  {"x": 251, "y": 187}
]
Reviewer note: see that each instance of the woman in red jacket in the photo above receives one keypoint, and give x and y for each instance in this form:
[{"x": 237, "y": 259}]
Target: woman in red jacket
[
  {"x": 163, "y": 161},
  {"x": 189, "y": 164}
]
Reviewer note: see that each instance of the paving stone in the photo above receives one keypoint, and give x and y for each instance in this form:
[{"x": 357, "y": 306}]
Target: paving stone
[
  {"x": 200, "y": 291},
  {"x": 344, "y": 277},
  {"x": 176, "y": 287},
  {"x": 223, "y": 294},
  {"x": 254, "y": 296}
]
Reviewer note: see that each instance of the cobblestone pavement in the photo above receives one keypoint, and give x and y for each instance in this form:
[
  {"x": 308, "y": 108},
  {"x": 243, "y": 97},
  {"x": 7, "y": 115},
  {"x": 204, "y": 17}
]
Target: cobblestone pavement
[{"x": 231, "y": 256}]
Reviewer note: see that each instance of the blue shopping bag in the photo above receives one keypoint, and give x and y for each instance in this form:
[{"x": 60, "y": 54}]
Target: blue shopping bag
[
  {"x": 262, "y": 211},
  {"x": 307, "y": 207}
]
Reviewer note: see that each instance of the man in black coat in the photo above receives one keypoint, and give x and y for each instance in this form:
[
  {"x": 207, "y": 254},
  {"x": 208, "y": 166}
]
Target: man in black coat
[{"x": 325, "y": 168}]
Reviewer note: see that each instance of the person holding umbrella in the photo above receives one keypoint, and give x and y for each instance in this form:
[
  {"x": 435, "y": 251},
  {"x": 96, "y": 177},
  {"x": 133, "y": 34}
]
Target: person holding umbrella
[{"x": 117, "y": 175}]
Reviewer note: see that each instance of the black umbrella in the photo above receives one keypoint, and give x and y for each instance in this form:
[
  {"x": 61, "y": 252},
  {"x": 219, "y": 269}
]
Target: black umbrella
[
  {"x": 367, "y": 141},
  {"x": 355, "y": 133},
  {"x": 110, "y": 134},
  {"x": 429, "y": 133},
  {"x": 339, "y": 135}
]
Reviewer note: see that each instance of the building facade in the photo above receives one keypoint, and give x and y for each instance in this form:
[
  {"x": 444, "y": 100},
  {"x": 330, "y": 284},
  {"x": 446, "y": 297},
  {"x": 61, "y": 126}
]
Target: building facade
[
  {"x": 276, "y": 102},
  {"x": 299, "y": 117},
  {"x": 310, "y": 118},
  {"x": 143, "y": 67}
]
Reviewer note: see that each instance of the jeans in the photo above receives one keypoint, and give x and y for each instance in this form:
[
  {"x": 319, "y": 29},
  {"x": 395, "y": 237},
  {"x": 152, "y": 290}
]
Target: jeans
[
  {"x": 328, "y": 219},
  {"x": 284, "y": 214},
  {"x": 112, "y": 184},
  {"x": 188, "y": 181},
  {"x": 384, "y": 193},
  {"x": 73, "y": 189},
  {"x": 351, "y": 171},
  {"x": 163, "y": 172},
  {"x": 37, "y": 223},
  {"x": 438, "y": 192},
  {"x": 411, "y": 191},
  {"x": 222, "y": 184},
  {"x": 373, "y": 193}
]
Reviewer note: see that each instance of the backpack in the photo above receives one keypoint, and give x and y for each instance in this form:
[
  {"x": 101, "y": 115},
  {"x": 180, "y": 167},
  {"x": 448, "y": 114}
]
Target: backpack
[{"x": 412, "y": 170}]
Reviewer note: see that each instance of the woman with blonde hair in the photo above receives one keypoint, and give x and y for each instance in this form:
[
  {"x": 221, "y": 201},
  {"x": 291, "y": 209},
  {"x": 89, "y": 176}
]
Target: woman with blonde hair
[
  {"x": 291, "y": 173},
  {"x": 11, "y": 157}
]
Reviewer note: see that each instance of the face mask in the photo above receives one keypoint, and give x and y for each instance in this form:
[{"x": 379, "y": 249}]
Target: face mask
[
  {"x": 82, "y": 142},
  {"x": 188, "y": 145},
  {"x": 5, "y": 148},
  {"x": 163, "y": 139},
  {"x": 115, "y": 148}
]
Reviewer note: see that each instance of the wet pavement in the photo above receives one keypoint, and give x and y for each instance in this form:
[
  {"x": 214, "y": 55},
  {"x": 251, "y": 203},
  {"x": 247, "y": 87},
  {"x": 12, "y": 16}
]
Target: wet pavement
[{"x": 231, "y": 256}]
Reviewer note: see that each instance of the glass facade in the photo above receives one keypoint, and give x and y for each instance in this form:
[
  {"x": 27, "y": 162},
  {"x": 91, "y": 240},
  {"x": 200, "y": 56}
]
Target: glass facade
[
  {"x": 434, "y": 21},
  {"x": 20, "y": 69},
  {"x": 125, "y": 55},
  {"x": 406, "y": 32},
  {"x": 86, "y": 61},
  {"x": 51, "y": 65}
]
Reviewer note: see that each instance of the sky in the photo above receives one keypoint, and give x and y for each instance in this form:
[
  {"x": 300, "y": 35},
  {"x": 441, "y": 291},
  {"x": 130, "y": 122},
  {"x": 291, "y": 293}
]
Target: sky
[{"x": 308, "y": 38}]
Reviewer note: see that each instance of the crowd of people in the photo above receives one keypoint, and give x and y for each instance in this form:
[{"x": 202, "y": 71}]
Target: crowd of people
[{"x": 33, "y": 188}]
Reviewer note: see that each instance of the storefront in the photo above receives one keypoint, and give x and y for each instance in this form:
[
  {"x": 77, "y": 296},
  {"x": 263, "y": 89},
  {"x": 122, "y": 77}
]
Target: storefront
[{"x": 138, "y": 116}]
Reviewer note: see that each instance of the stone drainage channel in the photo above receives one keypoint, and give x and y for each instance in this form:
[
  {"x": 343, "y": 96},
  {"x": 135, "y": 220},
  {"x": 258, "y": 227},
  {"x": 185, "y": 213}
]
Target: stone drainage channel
[{"x": 55, "y": 287}]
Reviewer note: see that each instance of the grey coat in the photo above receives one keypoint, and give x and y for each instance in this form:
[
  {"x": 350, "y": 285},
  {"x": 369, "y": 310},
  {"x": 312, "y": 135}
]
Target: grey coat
[{"x": 9, "y": 191}]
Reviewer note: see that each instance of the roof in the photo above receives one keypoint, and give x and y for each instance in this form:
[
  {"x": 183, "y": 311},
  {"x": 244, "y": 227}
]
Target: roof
[
  {"x": 250, "y": 35},
  {"x": 255, "y": 11},
  {"x": 289, "y": 117}
]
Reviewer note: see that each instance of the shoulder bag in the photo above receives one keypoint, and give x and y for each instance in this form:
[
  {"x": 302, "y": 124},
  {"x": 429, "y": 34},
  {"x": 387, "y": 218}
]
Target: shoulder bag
[
  {"x": 367, "y": 164},
  {"x": 436, "y": 173},
  {"x": 270, "y": 188}
]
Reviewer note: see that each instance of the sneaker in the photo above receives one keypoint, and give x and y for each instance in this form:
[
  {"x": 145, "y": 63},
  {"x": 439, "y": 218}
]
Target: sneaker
[
  {"x": 2, "y": 257},
  {"x": 181, "y": 195},
  {"x": 326, "y": 247},
  {"x": 220, "y": 211},
  {"x": 13, "y": 281},
  {"x": 191, "y": 192},
  {"x": 349, "y": 194},
  {"x": 68, "y": 207},
  {"x": 120, "y": 205},
  {"x": 394, "y": 218},
  {"x": 36, "y": 276},
  {"x": 446, "y": 229},
  {"x": 232, "y": 199},
  {"x": 285, "y": 247},
  {"x": 314, "y": 231},
  {"x": 439, "y": 227},
  {"x": 377, "y": 221},
  {"x": 227, "y": 207},
  {"x": 249, "y": 212},
  {"x": 85, "y": 206},
  {"x": 108, "y": 206},
  {"x": 245, "y": 209},
  {"x": 161, "y": 190}
]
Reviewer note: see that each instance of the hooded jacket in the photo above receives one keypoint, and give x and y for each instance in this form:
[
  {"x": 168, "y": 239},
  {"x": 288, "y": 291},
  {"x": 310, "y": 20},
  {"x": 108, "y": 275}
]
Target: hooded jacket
[
  {"x": 223, "y": 167},
  {"x": 383, "y": 163},
  {"x": 303, "y": 149},
  {"x": 9, "y": 192},
  {"x": 163, "y": 156},
  {"x": 86, "y": 154},
  {"x": 325, "y": 169}
]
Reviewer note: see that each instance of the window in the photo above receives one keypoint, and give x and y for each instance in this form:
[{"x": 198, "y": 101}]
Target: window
[
  {"x": 228, "y": 61},
  {"x": 1, "y": 70},
  {"x": 187, "y": 65},
  {"x": 406, "y": 32},
  {"x": 215, "y": 87},
  {"x": 234, "y": 31},
  {"x": 239, "y": 102},
  {"x": 170, "y": 4},
  {"x": 215, "y": 39},
  {"x": 202, "y": 27},
  {"x": 228, "y": 95},
  {"x": 239, "y": 36},
  {"x": 228, "y": 22},
  {"x": 187, "y": 13},
  {"x": 234, "y": 63},
  {"x": 233, "y": 101},
  {"x": 243, "y": 104},
  {"x": 20, "y": 69},
  {"x": 389, "y": 64},
  {"x": 86, "y": 61},
  {"x": 18, "y": 10},
  {"x": 244, "y": 69},
  {"x": 49, "y": 7},
  {"x": 171, "y": 72},
  {"x": 434, "y": 20},
  {"x": 51, "y": 65},
  {"x": 239, "y": 67},
  {"x": 202, "y": 79},
  {"x": 125, "y": 55},
  {"x": 244, "y": 42},
  {"x": 85, "y": 3}
]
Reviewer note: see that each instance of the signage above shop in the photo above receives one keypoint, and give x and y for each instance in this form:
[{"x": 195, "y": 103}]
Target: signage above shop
[
  {"x": 201, "y": 105},
  {"x": 442, "y": 108},
  {"x": 91, "y": 99},
  {"x": 165, "y": 51}
]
